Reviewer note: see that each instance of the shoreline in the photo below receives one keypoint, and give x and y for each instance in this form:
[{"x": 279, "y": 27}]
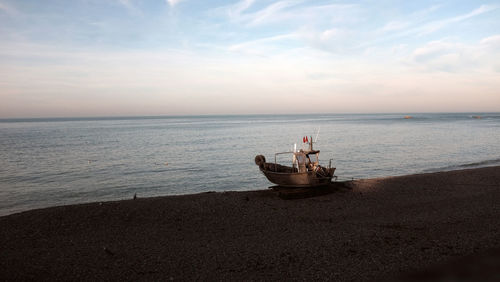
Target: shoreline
[
  {"x": 342, "y": 180},
  {"x": 376, "y": 229}
]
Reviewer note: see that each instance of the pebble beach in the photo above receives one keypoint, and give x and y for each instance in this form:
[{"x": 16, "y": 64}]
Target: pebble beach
[{"x": 424, "y": 226}]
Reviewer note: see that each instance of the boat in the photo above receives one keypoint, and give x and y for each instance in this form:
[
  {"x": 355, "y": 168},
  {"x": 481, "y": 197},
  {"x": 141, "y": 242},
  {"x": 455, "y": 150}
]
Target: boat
[{"x": 305, "y": 170}]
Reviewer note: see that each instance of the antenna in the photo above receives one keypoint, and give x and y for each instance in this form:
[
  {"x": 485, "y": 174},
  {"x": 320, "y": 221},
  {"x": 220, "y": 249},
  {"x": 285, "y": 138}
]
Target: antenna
[{"x": 317, "y": 135}]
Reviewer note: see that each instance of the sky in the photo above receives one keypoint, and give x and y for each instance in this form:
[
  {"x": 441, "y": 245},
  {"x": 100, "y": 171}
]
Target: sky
[{"x": 63, "y": 58}]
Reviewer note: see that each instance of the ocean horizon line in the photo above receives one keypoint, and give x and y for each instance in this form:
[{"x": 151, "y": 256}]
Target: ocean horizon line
[{"x": 127, "y": 117}]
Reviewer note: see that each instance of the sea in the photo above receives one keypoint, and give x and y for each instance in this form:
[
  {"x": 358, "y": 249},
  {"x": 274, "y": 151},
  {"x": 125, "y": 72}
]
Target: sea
[{"x": 59, "y": 161}]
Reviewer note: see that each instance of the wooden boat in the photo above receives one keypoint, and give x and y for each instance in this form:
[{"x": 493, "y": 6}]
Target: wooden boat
[{"x": 304, "y": 171}]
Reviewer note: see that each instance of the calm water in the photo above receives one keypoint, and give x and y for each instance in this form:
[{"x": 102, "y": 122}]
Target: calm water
[{"x": 46, "y": 162}]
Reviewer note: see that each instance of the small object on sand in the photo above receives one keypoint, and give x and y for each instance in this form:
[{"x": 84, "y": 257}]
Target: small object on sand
[
  {"x": 247, "y": 199},
  {"x": 135, "y": 196},
  {"x": 166, "y": 163}
]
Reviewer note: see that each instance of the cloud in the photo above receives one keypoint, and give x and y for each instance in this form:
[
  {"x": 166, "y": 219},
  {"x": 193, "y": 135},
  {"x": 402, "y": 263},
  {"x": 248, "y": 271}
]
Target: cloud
[
  {"x": 311, "y": 25},
  {"x": 492, "y": 41},
  {"x": 172, "y": 3},
  {"x": 415, "y": 26},
  {"x": 131, "y": 8},
  {"x": 446, "y": 55},
  {"x": 332, "y": 40},
  {"x": 8, "y": 9},
  {"x": 394, "y": 25},
  {"x": 433, "y": 50},
  {"x": 399, "y": 49},
  {"x": 84, "y": 82},
  {"x": 126, "y": 4},
  {"x": 437, "y": 25},
  {"x": 270, "y": 13},
  {"x": 234, "y": 11},
  {"x": 329, "y": 34},
  {"x": 291, "y": 13},
  {"x": 263, "y": 47}
]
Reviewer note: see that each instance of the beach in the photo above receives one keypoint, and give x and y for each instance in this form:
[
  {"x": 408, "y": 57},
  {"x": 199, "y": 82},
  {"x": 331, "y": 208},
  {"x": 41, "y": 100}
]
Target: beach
[{"x": 405, "y": 227}]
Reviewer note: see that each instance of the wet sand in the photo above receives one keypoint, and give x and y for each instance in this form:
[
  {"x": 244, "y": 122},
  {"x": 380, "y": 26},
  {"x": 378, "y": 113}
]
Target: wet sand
[{"x": 428, "y": 226}]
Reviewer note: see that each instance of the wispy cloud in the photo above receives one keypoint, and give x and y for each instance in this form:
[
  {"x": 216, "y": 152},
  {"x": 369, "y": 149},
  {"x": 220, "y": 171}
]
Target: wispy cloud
[
  {"x": 452, "y": 56},
  {"x": 492, "y": 42},
  {"x": 432, "y": 50},
  {"x": 131, "y": 8},
  {"x": 172, "y": 3},
  {"x": 263, "y": 46},
  {"x": 415, "y": 26},
  {"x": 440, "y": 24},
  {"x": 239, "y": 12},
  {"x": 8, "y": 9},
  {"x": 234, "y": 11},
  {"x": 332, "y": 40},
  {"x": 307, "y": 24},
  {"x": 406, "y": 22},
  {"x": 288, "y": 12},
  {"x": 394, "y": 25},
  {"x": 423, "y": 13},
  {"x": 270, "y": 12},
  {"x": 127, "y": 4}
]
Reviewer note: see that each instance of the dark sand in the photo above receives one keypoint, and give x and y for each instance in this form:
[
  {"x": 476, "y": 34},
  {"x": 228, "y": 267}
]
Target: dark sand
[{"x": 430, "y": 226}]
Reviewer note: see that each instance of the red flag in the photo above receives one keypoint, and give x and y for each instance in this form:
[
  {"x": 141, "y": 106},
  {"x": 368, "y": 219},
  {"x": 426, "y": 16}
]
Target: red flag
[{"x": 307, "y": 140}]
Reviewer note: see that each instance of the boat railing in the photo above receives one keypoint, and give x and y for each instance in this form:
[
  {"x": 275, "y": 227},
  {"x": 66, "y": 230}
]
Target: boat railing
[{"x": 293, "y": 164}]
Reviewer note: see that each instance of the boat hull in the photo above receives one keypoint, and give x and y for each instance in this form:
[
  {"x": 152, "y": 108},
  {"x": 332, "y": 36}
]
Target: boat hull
[{"x": 298, "y": 179}]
